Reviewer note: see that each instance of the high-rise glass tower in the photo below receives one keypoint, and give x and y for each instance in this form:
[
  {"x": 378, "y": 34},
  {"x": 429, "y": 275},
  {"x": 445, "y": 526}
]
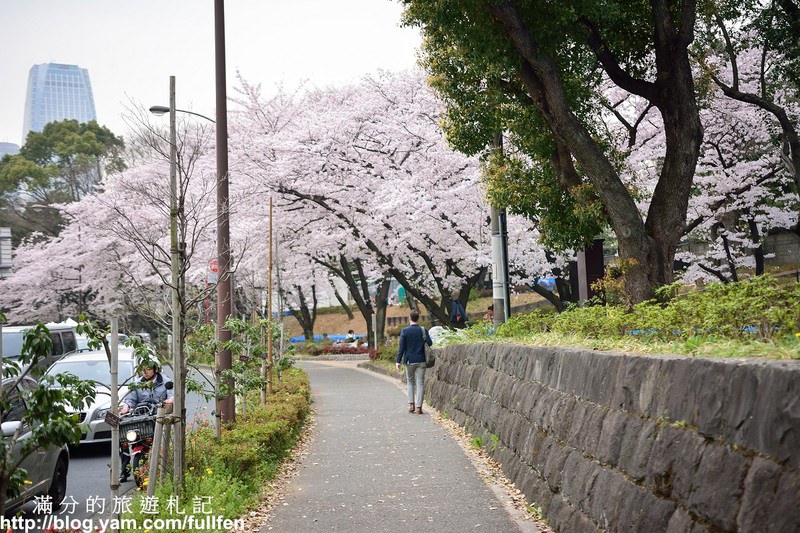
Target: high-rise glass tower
[{"x": 57, "y": 92}]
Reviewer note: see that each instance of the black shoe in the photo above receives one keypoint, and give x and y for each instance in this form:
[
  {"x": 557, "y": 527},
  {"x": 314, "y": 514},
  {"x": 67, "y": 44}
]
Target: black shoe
[{"x": 123, "y": 479}]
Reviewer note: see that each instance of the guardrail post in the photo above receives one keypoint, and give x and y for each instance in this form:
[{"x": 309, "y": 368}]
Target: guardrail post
[
  {"x": 154, "y": 450},
  {"x": 165, "y": 450}
]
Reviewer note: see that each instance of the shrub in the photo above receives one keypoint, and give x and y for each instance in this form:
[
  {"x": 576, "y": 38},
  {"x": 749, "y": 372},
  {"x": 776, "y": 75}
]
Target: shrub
[
  {"x": 387, "y": 352},
  {"x": 537, "y": 321},
  {"x": 760, "y": 308}
]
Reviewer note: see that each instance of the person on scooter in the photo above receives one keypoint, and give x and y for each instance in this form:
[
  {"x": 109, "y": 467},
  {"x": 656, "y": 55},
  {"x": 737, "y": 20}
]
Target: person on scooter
[{"x": 150, "y": 389}]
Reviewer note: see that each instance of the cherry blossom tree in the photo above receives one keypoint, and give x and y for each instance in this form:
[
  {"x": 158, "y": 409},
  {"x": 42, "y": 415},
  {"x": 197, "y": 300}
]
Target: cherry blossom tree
[{"x": 371, "y": 162}]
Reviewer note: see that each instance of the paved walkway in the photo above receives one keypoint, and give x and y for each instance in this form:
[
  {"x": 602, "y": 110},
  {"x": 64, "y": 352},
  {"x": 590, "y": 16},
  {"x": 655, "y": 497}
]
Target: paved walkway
[{"x": 372, "y": 466}]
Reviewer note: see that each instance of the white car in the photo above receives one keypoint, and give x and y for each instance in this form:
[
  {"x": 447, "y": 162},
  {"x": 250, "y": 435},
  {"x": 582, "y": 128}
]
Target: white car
[
  {"x": 47, "y": 468},
  {"x": 93, "y": 366}
]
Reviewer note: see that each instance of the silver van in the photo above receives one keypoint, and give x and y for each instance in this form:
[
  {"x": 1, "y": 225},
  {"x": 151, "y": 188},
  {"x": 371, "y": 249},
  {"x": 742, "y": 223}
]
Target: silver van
[{"x": 62, "y": 335}]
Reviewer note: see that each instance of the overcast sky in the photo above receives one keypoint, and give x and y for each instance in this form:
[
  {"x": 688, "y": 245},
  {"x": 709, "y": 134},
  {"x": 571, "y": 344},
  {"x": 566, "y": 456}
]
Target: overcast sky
[{"x": 132, "y": 47}]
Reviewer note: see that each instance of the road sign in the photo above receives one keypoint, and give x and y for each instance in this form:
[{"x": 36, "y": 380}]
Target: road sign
[
  {"x": 112, "y": 419},
  {"x": 213, "y": 265}
]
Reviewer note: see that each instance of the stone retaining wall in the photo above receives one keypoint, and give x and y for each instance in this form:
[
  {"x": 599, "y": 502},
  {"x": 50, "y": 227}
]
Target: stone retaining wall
[{"x": 605, "y": 441}]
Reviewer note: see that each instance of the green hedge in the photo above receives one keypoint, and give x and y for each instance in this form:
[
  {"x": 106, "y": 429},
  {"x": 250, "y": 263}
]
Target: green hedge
[{"x": 759, "y": 317}]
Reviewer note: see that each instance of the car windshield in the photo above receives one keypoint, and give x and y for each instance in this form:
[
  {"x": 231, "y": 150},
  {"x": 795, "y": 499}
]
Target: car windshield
[{"x": 92, "y": 370}]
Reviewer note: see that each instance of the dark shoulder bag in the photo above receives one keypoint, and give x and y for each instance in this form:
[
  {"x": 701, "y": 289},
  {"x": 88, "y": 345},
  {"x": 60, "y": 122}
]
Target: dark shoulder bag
[{"x": 430, "y": 359}]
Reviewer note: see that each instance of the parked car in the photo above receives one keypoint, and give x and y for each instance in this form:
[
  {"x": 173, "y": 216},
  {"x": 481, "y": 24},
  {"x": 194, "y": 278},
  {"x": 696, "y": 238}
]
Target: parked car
[
  {"x": 93, "y": 366},
  {"x": 47, "y": 468},
  {"x": 62, "y": 335}
]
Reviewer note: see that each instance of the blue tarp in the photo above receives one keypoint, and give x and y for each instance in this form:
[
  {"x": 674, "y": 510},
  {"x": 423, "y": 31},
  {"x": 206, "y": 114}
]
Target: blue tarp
[{"x": 318, "y": 338}]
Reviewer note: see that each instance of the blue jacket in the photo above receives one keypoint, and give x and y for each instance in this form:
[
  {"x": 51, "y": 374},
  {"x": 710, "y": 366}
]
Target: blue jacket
[{"x": 412, "y": 345}]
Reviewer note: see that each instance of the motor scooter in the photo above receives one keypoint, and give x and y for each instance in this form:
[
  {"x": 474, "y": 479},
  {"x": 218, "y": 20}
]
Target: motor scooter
[{"x": 136, "y": 438}]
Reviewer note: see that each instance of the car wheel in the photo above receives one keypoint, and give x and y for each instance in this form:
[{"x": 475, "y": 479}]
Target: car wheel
[{"x": 58, "y": 488}]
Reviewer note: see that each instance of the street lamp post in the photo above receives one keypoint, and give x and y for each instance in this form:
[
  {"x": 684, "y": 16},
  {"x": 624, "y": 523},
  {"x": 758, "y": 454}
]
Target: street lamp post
[{"x": 175, "y": 283}]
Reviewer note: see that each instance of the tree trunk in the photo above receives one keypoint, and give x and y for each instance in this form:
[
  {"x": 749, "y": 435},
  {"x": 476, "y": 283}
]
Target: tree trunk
[
  {"x": 548, "y": 295},
  {"x": 306, "y": 316},
  {"x": 345, "y": 307},
  {"x": 381, "y": 303},
  {"x": 758, "y": 251}
]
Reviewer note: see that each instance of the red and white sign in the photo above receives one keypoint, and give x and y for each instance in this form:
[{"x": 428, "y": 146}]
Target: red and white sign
[{"x": 213, "y": 265}]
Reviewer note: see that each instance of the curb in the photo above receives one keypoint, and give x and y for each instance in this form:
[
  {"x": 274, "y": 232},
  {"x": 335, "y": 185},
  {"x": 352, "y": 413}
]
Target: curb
[
  {"x": 334, "y": 357},
  {"x": 400, "y": 376}
]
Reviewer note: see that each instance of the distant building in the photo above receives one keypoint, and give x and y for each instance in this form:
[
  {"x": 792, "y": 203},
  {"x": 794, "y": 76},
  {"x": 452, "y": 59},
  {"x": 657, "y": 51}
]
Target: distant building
[
  {"x": 5, "y": 252},
  {"x": 57, "y": 92},
  {"x": 8, "y": 149}
]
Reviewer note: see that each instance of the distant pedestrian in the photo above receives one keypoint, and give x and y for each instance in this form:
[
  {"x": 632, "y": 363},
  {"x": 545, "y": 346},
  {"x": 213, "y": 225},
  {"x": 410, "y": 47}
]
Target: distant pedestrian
[
  {"x": 411, "y": 353},
  {"x": 351, "y": 336},
  {"x": 489, "y": 316},
  {"x": 458, "y": 315}
]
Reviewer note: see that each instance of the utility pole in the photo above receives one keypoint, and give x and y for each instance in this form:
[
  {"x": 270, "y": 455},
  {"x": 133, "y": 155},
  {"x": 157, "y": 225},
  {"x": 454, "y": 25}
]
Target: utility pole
[
  {"x": 226, "y": 408},
  {"x": 270, "y": 357},
  {"x": 500, "y": 282}
]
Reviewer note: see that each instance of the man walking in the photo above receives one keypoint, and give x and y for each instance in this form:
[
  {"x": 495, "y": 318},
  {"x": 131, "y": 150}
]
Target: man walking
[{"x": 411, "y": 352}]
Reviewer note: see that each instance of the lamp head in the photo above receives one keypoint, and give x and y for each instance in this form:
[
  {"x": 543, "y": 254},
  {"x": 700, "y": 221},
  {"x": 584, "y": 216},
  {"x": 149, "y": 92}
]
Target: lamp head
[{"x": 159, "y": 110}]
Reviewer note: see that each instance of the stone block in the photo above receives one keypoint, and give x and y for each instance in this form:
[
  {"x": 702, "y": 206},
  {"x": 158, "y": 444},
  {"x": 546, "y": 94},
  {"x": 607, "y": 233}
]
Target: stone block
[
  {"x": 612, "y": 432},
  {"x": 518, "y": 430},
  {"x": 598, "y": 386},
  {"x": 541, "y": 366},
  {"x": 552, "y": 465},
  {"x": 570, "y": 519},
  {"x": 538, "y": 438},
  {"x": 771, "y": 500},
  {"x": 529, "y": 393},
  {"x": 580, "y": 417},
  {"x": 578, "y": 479},
  {"x": 509, "y": 401},
  {"x": 637, "y": 442},
  {"x": 502, "y": 389},
  {"x": 760, "y": 489},
  {"x": 738, "y": 408},
  {"x": 687, "y": 379},
  {"x": 527, "y": 442},
  {"x": 674, "y": 459},
  {"x": 776, "y": 429},
  {"x": 592, "y": 427},
  {"x": 717, "y": 487},
  {"x": 543, "y": 452},
  {"x": 560, "y": 425},
  {"x": 570, "y": 483},
  {"x": 489, "y": 353},
  {"x": 553, "y": 378},
  {"x": 605, "y": 505},
  {"x": 682, "y": 522},
  {"x": 785, "y": 511},
  {"x": 643, "y": 511},
  {"x": 536, "y": 491}
]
